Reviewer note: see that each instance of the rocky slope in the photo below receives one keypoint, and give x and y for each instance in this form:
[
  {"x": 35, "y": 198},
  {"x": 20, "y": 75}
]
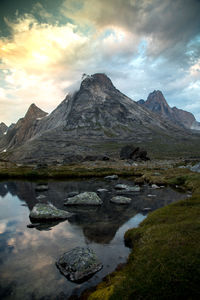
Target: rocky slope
[
  {"x": 3, "y": 128},
  {"x": 94, "y": 120},
  {"x": 157, "y": 103},
  {"x": 17, "y": 134}
]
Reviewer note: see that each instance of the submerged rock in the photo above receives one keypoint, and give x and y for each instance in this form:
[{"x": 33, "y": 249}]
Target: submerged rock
[
  {"x": 79, "y": 264},
  {"x": 121, "y": 200},
  {"x": 111, "y": 177},
  {"x": 44, "y": 212},
  {"x": 86, "y": 198}
]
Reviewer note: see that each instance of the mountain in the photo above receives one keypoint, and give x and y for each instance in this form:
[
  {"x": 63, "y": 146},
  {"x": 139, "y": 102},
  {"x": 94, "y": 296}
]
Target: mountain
[
  {"x": 3, "y": 128},
  {"x": 157, "y": 103},
  {"x": 17, "y": 134},
  {"x": 96, "y": 120}
]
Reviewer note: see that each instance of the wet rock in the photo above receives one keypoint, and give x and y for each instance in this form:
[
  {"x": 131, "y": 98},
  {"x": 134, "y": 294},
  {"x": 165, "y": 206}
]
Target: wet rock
[
  {"x": 155, "y": 186},
  {"x": 79, "y": 264},
  {"x": 46, "y": 212},
  {"x": 121, "y": 200},
  {"x": 147, "y": 209},
  {"x": 195, "y": 168},
  {"x": 40, "y": 197},
  {"x": 111, "y": 177},
  {"x": 127, "y": 188},
  {"x": 121, "y": 186},
  {"x": 86, "y": 198},
  {"x": 41, "y": 187}
]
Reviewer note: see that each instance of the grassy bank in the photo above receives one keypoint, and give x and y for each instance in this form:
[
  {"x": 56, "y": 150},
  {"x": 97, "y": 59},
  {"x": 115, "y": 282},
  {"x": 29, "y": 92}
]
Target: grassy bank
[
  {"x": 165, "y": 259},
  {"x": 63, "y": 172}
]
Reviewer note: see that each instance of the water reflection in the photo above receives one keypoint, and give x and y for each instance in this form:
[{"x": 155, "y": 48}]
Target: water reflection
[{"x": 27, "y": 256}]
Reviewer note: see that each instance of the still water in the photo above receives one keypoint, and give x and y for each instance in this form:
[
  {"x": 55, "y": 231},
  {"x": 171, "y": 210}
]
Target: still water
[{"x": 28, "y": 255}]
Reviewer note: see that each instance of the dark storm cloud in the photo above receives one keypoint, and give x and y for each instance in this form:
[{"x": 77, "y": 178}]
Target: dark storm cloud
[{"x": 168, "y": 25}]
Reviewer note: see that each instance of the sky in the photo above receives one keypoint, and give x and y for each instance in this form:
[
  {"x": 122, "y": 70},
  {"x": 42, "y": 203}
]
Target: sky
[{"x": 142, "y": 45}]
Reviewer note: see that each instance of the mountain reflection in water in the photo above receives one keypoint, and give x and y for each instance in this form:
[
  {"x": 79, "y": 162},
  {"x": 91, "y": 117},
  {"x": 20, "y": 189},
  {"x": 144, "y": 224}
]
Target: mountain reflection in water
[{"x": 27, "y": 256}]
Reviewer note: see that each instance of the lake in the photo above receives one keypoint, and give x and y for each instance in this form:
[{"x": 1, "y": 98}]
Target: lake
[{"x": 28, "y": 255}]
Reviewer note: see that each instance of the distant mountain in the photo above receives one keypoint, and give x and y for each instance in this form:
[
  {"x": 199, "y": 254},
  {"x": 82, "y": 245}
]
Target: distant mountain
[
  {"x": 3, "y": 128},
  {"x": 157, "y": 103},
  {"x": 17, "y": 134},
  {"x": 96, "y": 119}
]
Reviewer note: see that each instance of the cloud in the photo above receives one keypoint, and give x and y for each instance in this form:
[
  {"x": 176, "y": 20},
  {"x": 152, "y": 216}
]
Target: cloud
[
  {"x": 36, "y": 61},
  {"x": 142, "y": 45},
  {"x": 165, "y": 24}
]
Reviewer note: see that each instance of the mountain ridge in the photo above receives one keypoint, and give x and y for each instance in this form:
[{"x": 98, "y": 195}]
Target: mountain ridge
[
  {"x": 96, "y": 119},
  {"x": 157, "y": 103}
]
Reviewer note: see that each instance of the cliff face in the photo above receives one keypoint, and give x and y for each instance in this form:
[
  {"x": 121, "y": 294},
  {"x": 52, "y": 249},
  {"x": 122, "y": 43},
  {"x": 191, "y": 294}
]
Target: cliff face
[
  {"x": 3, "y": 128},
  {"x": 157, "y": 103}
]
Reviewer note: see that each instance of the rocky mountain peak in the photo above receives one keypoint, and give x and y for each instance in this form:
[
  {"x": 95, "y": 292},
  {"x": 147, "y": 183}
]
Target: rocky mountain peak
[
  {"x": 156, "y": 97},
  {"x": 99, "y": 79},
  {"x": 156, "y": 102},
  {"x": 34, "y": 112}
]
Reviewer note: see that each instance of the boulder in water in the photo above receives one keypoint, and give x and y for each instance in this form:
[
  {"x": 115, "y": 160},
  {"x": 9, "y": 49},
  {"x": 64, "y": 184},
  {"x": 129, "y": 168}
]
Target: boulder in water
[{"x": 79, "y": 264}]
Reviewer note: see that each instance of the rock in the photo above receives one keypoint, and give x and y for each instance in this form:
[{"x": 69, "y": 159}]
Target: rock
[
  {"x": 121, "y": 200},
  {"x": 150, "y": 195},
  {"x": 41, "y": 166},
  {"x": 86, "y": 198},
  {"x": 155, "y": 186},
  {"x": 96, "y": 158},
  {"x": 40, "y": 197},
  {"x": 111, "y": 177},
  {"x": 72, "y": 194},
  {"x": 102, "y": 190},
  {"x": 127, "y": 188},
  {"x": 146, "y": 209},
  {"x": 121, "y": 186},
  {"x": 157, "y": 103},
  {"x": 79, "y": 264},
  {"x": 41, "y": 187},
  {"x": 46, "y": 212},
  {"x": 195, "y": 168},
  {"x": 33, "y": 225},
  {"x": 134, "y": 153}
]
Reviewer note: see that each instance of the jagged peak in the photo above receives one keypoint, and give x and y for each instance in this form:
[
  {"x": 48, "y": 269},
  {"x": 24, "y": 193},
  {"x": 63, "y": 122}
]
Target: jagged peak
[
  {"x": 34, "y": 111},
  {"x": 100, "y": 79},
  {"x": 156, "y": 96},
  {"x": 3, "y": 124}
]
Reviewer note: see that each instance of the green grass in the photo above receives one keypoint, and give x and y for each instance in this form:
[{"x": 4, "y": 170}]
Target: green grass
[
  {"x": 63, "y": 172},
  {"x": 165, "y": 259}
]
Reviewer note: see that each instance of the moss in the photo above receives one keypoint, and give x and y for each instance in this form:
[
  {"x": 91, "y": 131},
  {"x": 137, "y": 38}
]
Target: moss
[{"x": 165, "y": 259}]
